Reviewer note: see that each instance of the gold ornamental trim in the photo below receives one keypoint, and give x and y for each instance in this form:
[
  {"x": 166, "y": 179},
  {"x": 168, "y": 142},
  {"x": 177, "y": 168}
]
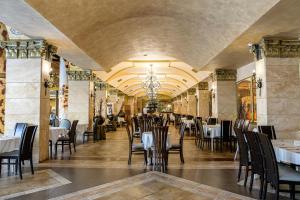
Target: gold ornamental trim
[
  {"x": 24, "y": 49},
  {"x": 203, "y": 86},
  {"x": 85, "y": 75},
  {"x": 224, "y": 75}
]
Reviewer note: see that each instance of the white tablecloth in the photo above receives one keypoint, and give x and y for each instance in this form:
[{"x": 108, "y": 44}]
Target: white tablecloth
[
  {"x": 56, "y": 132},
  {"x": 287, "y": 151},
  {"x": 9, "y": 143},
  {"x": 188, "y": 122},
  {"x": 214, "y": 131},
  {"x": 147, "y": 139}
]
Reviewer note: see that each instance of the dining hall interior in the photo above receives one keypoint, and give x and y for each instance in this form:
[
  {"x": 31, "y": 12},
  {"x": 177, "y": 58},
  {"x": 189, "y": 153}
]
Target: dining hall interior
[{"x": 159, "y": 99}]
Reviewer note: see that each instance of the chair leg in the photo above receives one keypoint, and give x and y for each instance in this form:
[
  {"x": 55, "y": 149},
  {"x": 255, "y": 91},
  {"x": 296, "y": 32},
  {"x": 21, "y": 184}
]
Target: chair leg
[
  {"x": 62, "y": 146},
  {"x": 56, "y": 149},
  {"x": 246, "y": 175},
  {"x": 8, "y": 167},
  {"x": 292, "y": 191},
  {"x": 70, "y": 148},
  {"x": 50, "y": 149},
  {"x": 129, "y": 158},
  {"x": 74, "y": 146},
  {"x": 261, "y": 187},
  {"x": 83, "y": 139},
  {"x": 265, "y": 189},
  {"x": 239, "y": 174},
  {"x": 0, "y": 166},
  {"x": 145, "y": 157},
  {"x": 20, "y": 169},
  {"x": 16, "y": 166},
  {"x": 181, "y": 155},
  {"x": 31, "y": 165},
  {"x": 251, "y": 181}
]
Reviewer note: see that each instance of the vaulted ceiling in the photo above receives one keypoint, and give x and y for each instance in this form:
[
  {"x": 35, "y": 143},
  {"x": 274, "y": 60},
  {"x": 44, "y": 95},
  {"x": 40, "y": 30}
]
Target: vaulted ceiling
[{"x": 112, "y": 31}]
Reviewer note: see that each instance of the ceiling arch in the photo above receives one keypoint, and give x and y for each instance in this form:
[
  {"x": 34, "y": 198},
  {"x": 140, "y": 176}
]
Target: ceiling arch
[{"x": 194, "y": 31}]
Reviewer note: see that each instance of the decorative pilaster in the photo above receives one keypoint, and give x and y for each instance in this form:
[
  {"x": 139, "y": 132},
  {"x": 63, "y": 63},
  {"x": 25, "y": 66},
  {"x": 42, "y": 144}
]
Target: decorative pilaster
[
  {"x": 3, "y": 37},
  {"x": 224, "y": 75},
  {"x": 203, "y": 100}
]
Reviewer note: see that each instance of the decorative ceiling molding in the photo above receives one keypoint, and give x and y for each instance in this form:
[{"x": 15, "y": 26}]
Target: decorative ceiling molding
[
  {"x": 203, "y": 86},
  {"x": 85, "y": 75}
]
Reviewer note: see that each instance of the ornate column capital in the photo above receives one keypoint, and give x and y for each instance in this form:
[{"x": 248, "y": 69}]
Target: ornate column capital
[
  {"x": 276, "y": 47},
  {"x": 85, "y": 75},
  {"x": 224, "y": 75},
  {"x": 191, "y": 91},
  {"x": 203, "y": 86},
  {"x": 23, "y": 49}
]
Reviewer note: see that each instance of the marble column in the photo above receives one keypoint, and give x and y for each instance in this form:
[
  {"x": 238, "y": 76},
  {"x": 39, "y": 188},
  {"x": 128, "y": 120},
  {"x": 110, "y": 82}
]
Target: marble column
[
  {"x": 100, "y": 99},
  {"x": 3, "y": 37},
  {"x": 203, "y": 100},
  {"x": 191, "y": 102},
  {"x": 27, "y": 99},
  {"x": 63, "y": 89},
  {"x": 224, "y": 101},
  {"x": 278, "y": 100},
  {"x": 184, "y": 103}
]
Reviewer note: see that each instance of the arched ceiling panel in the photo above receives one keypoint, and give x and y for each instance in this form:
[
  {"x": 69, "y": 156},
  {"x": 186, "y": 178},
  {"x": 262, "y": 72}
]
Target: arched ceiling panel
[{"x": 194, "y": 31}]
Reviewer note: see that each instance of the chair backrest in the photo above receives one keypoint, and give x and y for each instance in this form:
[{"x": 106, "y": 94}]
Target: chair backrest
[
  {"x": 20, "y": 129},
  {"x": 255, "y": 152},
  {"x": 199, "y": 126},
  {"x": 160, "y": 134},
  {"x": 189, "y": 117},
  {"x": 240, "y": 123},
  {"x": 72, "y": 132},
  {"x": 270, "y": 162},
  {"x": 212, "y": 121},
  {"x": 145, "y": 124},
  {"x": 55, "y": 122},
  {"x": 243, "y": 147},
  {"x": 26, "y": 145},
  {"x": 236, "y": 123},
  {"x": 182, "y": 129},
  {"x": 268, "y": 130},
  {"x": 246, "y": 125},
  {"x": 65, "y": 123},
  {"x": 226, "y": 129},
  {"x": 136, "y": 123},
  {"x": 129, "y": 134},
  {"x": 95, "y": 125},
  {"x": 166, "y": 121}
]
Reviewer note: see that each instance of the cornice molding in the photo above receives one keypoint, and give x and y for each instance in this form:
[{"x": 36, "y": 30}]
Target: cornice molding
[
  {"x": 24, "y": 49},
  {"x": 203, "y": 86},
  {"x": 224, "y": 75},
  {"x": 86, "y": 75},
  {"x": 276, "y": 47}
]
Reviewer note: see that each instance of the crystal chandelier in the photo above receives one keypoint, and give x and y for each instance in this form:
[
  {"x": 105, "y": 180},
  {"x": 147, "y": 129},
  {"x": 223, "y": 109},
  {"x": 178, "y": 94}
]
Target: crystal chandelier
[{"x": 151, "y": 84}]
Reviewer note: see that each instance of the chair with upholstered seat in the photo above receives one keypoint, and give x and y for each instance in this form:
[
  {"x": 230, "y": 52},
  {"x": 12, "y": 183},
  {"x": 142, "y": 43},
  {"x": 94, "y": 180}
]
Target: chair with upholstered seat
[
  {"x": 135, "y": 148},
  {"x": 178, "y": 148},
  {"x": 243, "y": 152},
  {"x": 23, "y": 153},
  {"x": 68, "y": 139},
  {"x": 256, "y": 159},
  {"x": 276, "y": 174},
  {"x": 87, "y": 134}
]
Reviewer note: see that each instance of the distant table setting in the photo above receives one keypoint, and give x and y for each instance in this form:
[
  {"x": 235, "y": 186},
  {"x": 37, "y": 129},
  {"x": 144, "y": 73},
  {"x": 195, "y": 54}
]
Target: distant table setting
[
  {"x": 212, "y": 131},
  {"x": 56, "y": 132},
  {"x": 9, "y": 143},
  {"x": 147, "y": 139}
]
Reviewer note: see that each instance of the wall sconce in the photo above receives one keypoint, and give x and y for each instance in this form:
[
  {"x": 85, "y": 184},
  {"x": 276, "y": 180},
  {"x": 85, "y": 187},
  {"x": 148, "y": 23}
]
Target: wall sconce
[
  {"x": 213, "y": 91},
  {"x": 186, "y": 99},
  {"x": 258, "y": 82},
  {"x": 47, "y": 85}
]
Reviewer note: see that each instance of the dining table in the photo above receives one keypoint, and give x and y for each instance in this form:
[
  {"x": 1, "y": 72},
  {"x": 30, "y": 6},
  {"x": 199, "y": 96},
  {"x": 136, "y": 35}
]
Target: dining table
[
  {"x": 56, "y": 132},
  {"x": 212, "y": 131},
  {"x": 148, "y": 143},
  {"x": 9, "y": 143},
  {"x": 287, "y": 151}
]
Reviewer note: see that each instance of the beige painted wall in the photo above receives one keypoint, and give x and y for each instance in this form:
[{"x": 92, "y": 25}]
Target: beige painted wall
[
  {"x": 27, "y": 101},
  {"x": 279, "y": 102},
  {"x": 78, "y": 102}
]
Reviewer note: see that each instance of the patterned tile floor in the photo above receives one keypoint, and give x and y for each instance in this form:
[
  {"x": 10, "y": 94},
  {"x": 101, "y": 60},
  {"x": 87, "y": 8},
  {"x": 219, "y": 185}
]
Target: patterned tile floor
[{"x": 96, "y": 165}]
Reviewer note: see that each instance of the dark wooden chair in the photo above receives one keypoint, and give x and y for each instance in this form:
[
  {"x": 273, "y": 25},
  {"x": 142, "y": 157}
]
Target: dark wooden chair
[
  {"x": 23, "y": 153},
  {"x": 276, "y": 174},
  {"x": 160, "y": 134},
  {"x": 145, "y": 124},
  {"x": 201, "y": 140},
  {"x": 212, "y": 121},
  {"x": 256, "y": 159},
  {"x": 243, "y": 153},
  {"x": 268, "y": 130},
  {"x": 178, "y": 148},
  {"x": 226, "y": 135},
  {"x": 94, "y": 133},
  {"x": 134, "y": 148},
  {"x": 246, "y": 125},
  {"x": 68, "y": 139}
]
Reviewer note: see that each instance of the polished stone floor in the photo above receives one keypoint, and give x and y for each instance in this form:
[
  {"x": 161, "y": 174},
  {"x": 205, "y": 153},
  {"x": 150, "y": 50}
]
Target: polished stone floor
[{"x": 96, "y": 165}]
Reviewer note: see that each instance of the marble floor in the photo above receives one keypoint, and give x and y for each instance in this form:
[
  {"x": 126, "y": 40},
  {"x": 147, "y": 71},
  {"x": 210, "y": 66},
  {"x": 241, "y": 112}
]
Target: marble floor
[{"x": 96, "y": 167}]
